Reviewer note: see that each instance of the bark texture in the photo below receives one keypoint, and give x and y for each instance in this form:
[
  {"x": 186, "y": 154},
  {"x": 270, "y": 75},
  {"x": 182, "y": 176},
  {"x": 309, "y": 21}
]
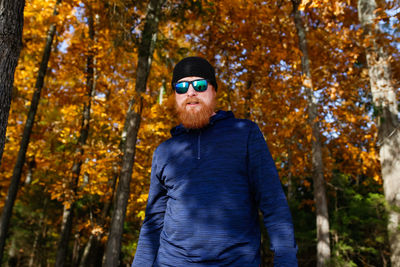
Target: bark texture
[
  {"x": 11, "y": 24},
  {"x": 68, "y": 211},
  {"x": 321, "y": 205},
  {"x": 385, "y": 103},
  {"x": 129, "y": 136},
  {"x": 16, "y": 177}
]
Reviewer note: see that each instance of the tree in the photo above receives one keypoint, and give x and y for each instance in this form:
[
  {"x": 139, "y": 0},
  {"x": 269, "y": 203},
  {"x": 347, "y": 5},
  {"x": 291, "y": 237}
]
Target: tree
[
  {"x": 68, "y": 211},
  {"x": 323, "y": 240},
  {"x": 254, "y": 46},
  {"x": 12, "y": 191},
  {"x": 132, "y": 124},
  {"x": 386, "y": 107},
  {"x": 11, "y": 24}
]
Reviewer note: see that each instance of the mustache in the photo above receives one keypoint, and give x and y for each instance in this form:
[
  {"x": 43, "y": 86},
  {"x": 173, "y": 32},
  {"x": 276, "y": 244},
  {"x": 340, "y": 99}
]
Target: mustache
[{"x": 193, "y": 99}]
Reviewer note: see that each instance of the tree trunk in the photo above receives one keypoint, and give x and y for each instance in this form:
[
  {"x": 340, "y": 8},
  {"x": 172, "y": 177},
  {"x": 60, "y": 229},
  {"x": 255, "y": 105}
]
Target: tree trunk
[
  {"x": 38, "y": 235},
  {"x": 68, "y": 212},
  {"x": 16, "y": 177},
  {"x": 290, "y": 193},
  {"x": 162, "y": 91},
  {"x": 75, "y": 250},
  {"x": 94, "y": 239},
  {"x": 385, "y": 103},
  {"x": 323, "y": 241},
  {"x": 86, "y": 251},
  {"x": 12, "y": 254},
  {"x": 31, "y": 168},
  {"x": 66, "y": 225},
  {"x": 11, "y": 24},
  {"x": 129, "y": 136}
]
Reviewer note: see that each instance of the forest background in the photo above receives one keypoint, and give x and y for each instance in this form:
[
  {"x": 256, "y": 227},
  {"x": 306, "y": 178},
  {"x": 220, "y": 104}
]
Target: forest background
[{"x": 99, "y": 74}]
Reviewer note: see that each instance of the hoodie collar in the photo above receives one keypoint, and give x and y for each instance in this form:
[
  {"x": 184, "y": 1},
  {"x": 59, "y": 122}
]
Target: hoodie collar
[{"x": 220, "y": 115}]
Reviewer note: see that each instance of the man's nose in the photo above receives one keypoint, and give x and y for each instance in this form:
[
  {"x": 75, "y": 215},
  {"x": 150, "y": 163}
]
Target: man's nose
[{"x": 191, "y": 91}]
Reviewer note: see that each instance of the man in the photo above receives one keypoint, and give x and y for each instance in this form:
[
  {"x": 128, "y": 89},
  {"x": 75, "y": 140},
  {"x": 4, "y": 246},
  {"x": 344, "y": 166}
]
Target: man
[{"x": 208, "y": 182}]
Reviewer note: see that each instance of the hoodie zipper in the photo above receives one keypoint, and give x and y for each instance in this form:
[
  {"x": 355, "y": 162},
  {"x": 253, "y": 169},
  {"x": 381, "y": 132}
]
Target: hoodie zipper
[{"x": 198, "y": 146}]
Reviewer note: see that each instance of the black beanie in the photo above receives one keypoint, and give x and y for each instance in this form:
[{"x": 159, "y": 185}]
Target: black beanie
[{"x": 194, "y": 66}]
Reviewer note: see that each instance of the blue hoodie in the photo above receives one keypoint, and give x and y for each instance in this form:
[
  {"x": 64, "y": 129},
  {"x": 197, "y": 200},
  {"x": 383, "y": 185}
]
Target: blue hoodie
[{"x": 205, "y": 191}]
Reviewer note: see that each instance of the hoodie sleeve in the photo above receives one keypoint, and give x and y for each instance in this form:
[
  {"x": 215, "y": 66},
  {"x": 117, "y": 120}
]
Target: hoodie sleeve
[
  {"x": 149, "y": 238},
  {"x": 270, "y": 198}
]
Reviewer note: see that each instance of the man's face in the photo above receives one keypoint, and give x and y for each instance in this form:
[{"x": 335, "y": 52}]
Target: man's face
[{"x": 195, "y": 108}]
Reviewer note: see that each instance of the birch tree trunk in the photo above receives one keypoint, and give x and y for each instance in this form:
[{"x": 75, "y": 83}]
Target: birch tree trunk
[
  {"x": 11, "y": 24},
  {"x": 16, "y": 177},
  {"x": 321, "y": 206},
  {"x": 129, "y": 136},
  {"x": 384, "y": 99},
  {"x": 68, "y": 211}
]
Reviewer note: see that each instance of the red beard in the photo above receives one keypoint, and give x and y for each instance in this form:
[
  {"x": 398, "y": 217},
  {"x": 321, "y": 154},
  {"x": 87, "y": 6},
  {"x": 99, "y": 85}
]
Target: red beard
[{"x": 192, "y": 118}]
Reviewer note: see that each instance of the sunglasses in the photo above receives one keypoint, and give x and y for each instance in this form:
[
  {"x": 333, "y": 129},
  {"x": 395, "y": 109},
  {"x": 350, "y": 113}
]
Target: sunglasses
[{"x": 200, "y": 85}]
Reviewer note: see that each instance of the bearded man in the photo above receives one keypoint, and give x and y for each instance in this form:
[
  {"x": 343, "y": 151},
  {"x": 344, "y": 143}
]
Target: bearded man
[{"x": 208, "y": 182}]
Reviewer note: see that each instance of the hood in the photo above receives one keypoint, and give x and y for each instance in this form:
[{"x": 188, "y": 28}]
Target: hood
[{"x": 220, "y": 115}]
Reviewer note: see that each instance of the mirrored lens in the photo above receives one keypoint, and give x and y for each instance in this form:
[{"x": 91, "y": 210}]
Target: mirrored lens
[
  {"x": 200, "y": 85},
  {"x": 181, "y": 87}
]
